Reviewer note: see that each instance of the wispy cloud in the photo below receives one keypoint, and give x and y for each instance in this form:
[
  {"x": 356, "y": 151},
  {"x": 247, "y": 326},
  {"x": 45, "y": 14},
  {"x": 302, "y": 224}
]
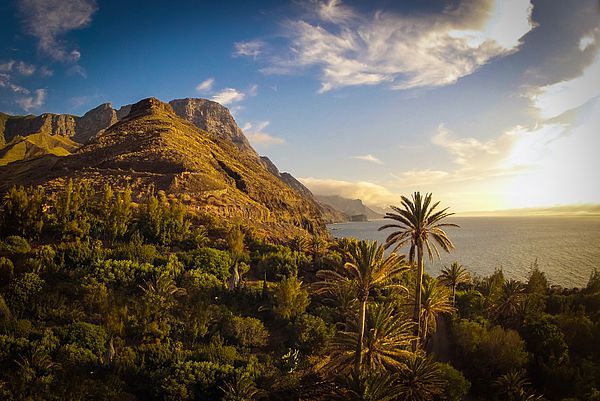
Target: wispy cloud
[
  {"x": 49, "y": 20},
  {"x": 33, "y": 102},
  {"x": 350, "y": 48},
  {"x": 228, "y": 96},
  {"x": 257, "y": 136},
  {"x": 252, "y": 48},
  {"x": 25, "y": 69},
  {"x": 368, "y": 158},
  {"x": 7, "y": 66},
  {"x": 205, "y": 86}
]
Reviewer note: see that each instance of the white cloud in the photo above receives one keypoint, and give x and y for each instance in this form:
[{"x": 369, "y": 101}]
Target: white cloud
[
  {"x": 45, "y": 71},
  {"x": 6, "y": 82},
  {"x": 7, "y": 66},
  {"x": 48, "y": 20},
  {"x": 334, "y": 11},
  {"x": 205, "y": 86},
  {"x": 25, "y": 69},
  {"x": 251, "y": 48},
  {"x": 228, "y": 96},
  {"x": 410, "y": 51},
  {"x": 473, "y": 153},
  {"x": 253, "y": 90},
  {"x": 557, "y": 98},
  {"x": 586, "y": 42},
  {"x": 257, "y": 136},
  {"x": 33, "y": 102},
  {"x": 368, "y": 158}
]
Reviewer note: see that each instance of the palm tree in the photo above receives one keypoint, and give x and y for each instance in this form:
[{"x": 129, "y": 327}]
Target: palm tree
[
  {"x": 419, "y": 224},
  {"x": 241, "y": 388},
  {"x": 378, "y": 386},
  {"x": 368, "y": 268},
  {"x": 435, "y": 300},
  {"x": 420, "y": 379},
  {"x": 511, "y": 298},
  {"x": 386, "y": 341},
  {"x": 452, "y": 276},
  {"x": 514, "y": 386}
]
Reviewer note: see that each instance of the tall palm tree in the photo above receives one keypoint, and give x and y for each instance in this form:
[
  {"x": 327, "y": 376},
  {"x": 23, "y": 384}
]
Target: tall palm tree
[
  {"x": 418, "y": 224},
  {"x": 367, "y": 269},
  {"x": 435, "y": 300},
  {"x": 452, "y": 276},
  {"x": 386, "y": 341}
]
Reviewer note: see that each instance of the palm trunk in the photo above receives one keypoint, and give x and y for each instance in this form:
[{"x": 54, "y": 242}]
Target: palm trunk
[
  {"x": 453, "y": 295},
  {"x": 361, "y": 334},
  {"x": 417, "y": 310}
]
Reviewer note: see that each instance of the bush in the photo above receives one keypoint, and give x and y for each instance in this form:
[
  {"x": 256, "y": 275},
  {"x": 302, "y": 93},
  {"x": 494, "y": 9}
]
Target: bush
[
  {"x": 84, "y": 335},
  {"x": 246, "y": 331},
  {"x": 195, "y": 381},
  {"x": 311, "y": 333},
  {"x": 457, "y": 386},
  {"x": 289, "y": 298},
  {"x": 209, "y": 260},
  {"x": 15, "y": 245}
]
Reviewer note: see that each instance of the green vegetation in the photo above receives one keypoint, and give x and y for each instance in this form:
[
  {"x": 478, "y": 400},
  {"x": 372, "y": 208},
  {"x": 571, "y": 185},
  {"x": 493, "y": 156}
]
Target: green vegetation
[{"x": 105, "y": 299}]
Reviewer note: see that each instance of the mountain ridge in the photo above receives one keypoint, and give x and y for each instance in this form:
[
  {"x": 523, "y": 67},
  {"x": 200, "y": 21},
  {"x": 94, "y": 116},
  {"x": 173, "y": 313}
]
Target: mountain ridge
[{"x": 215, "y": 172}]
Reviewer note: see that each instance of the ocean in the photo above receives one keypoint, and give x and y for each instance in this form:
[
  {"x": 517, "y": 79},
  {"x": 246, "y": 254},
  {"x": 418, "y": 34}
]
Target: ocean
[{"x": 567, "y": 249}]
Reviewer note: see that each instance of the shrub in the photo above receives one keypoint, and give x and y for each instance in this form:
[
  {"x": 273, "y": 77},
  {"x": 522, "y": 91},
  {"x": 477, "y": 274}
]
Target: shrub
[
  {"x": 15, "y": 244},
  {"x": 311, "y": 332},
  {"x": 457, "y": 386},
  {"x": 84, "y": 335},
  {"x": 209, "y": 260},
  {"x": 289, "y": 298},
  {"x": 246, "y": 331}
]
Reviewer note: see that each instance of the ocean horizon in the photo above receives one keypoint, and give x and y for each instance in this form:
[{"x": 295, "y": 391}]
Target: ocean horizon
[{"x": 565, "y": 247}]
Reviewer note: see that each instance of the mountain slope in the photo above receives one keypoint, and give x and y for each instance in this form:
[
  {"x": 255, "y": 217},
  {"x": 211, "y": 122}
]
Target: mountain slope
[
  {"x": 36, "y": 145},
  {"x": 153, "y": 147}
]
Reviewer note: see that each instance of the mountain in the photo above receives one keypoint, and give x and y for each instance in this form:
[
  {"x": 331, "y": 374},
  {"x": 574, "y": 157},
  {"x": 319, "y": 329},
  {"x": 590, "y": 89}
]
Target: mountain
[
  {"x": 350, "y": 207},
  {"x": 207, "y": 115},
  {"x": 328, "y": 213},
  {"x": 206, "y": 161}
]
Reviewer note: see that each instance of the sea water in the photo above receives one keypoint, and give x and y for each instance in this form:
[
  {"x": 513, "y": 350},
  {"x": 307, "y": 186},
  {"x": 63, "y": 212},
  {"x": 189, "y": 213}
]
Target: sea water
[{"x": 567, "y": 249}]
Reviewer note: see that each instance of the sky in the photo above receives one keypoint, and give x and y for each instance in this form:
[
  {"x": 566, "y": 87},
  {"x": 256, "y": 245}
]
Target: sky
[{"x": 489, "y": 105}]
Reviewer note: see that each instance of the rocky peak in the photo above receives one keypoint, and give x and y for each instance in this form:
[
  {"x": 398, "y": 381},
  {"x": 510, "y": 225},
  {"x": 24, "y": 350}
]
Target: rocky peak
[
  {"x": 95, "y": 121},
  {"x": 213, "y": 118},
  {"x": 147, "y": 106}
]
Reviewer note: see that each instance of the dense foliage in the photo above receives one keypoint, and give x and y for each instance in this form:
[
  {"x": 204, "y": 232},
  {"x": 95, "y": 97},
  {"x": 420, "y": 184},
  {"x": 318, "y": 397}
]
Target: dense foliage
[{"x": 105, "y": 299}]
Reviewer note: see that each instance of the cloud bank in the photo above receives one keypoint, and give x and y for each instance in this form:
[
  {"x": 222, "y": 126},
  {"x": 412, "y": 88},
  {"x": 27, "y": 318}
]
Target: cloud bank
[{"x": 405, "y": 51}]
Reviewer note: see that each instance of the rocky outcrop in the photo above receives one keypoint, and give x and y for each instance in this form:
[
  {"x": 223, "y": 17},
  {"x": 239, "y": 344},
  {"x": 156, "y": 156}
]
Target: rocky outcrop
[
  {"x": 58, "y": 124},
  {"x": 94, "y": 121},
  {"x": 213, "y": 118}
]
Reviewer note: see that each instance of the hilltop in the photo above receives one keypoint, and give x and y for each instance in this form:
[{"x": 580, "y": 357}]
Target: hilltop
[{"x": 191, "y": 148}]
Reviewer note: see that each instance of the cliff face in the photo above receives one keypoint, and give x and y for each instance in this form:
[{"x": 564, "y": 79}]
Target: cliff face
[
  {"x": 153, "y": 147},
  {"x": 94, "y": 121},
  {"x": 213, "y": 118}
]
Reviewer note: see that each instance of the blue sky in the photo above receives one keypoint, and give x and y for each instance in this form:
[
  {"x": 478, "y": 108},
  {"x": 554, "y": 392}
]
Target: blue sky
[{"x": 489, "y": 105}]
